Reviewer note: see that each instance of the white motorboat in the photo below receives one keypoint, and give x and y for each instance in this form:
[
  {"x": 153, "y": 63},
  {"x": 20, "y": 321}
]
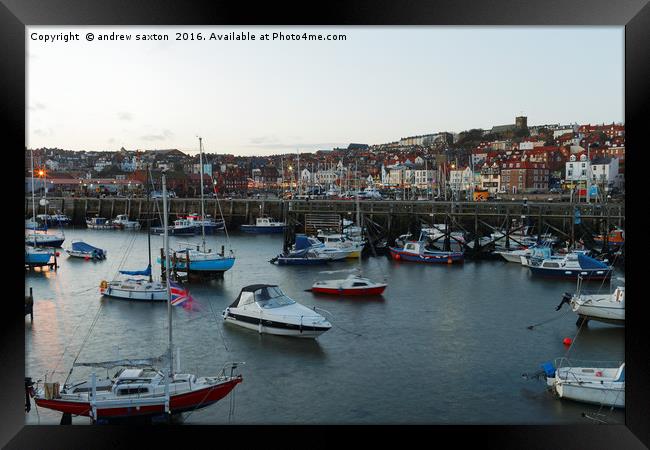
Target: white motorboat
[
  {"x": 608, "y": 308},
  {"x": 602, "y": 307},
  {"x": 341, "y": 242},
  {"x": 333, "y": 253},
  {"x": 266, "y": 309},
  {"x": 122, "y": 221},
  {"x": 596, "y": 382}
]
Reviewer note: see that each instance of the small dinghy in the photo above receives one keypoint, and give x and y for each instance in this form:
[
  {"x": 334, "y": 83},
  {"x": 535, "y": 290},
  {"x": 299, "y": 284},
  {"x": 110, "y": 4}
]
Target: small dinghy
[
  {"x": 266, "y": 309},
  {"x": 86, "y": 251},
  {"x": 352, "y": 285}
]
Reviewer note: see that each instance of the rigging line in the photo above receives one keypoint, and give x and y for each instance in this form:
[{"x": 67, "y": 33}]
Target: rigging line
[
  {"x": 225, "y": 228},
  {"x": 223, "y": 339}
]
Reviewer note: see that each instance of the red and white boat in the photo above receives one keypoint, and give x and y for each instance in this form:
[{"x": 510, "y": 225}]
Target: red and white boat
[
  {"x": 352, "y": 285},
  {"x": 140, "y": 388},
  {"x": 136, "y": 392}
]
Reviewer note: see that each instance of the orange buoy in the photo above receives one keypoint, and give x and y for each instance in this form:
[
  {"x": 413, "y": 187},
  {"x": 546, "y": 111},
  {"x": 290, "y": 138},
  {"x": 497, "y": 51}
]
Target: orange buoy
[
  {"x": 449, "y": 260},
  {"x": 567, "y": 341},
  {"x": 58, "y": 254}
]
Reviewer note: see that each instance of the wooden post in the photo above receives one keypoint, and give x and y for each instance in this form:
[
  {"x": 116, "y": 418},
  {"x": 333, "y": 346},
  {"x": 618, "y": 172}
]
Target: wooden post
[
  {"x": 539, "y": 224},
  {"x": 507, "y": 228},
  {"x": 112, "y": 208}
]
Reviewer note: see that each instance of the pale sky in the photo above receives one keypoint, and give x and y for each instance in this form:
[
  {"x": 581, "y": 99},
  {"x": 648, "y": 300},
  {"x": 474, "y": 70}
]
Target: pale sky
[{"x": 268, "y": 97}]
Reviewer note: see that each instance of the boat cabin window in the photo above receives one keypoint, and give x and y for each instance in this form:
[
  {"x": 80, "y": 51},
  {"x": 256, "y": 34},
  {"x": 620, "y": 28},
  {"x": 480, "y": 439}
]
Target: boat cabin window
[
  {"x": 551, "y": 264},
  {"x": 333, "y": 240},
  {"x": 272, "y": 297},
  {"x": 359, "y": 284},
  {"x": 410, "y": 247},
  {"x": 131, "y": 391}
]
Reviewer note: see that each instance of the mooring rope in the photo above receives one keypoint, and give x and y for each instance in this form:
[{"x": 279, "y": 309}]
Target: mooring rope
[{"x": 338, "y": 326}]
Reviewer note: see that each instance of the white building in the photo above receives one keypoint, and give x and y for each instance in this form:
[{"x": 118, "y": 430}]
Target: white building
[
  {"x": 424, "y": 179},
  {"x": 577, "y": 169},
  {"x": 461, "y": 179},
  {"x": 326, "y": 177},
  {"x": 604, "y": 172}
]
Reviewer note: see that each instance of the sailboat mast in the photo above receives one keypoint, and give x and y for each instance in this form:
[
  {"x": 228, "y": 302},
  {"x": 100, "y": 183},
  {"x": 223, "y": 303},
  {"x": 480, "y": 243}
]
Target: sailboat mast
[
  {"x": 149, "y": 225},
  {"x": 202, "y": 207},
  {"x": 359, "y": 223},
  {"x": 33, "y": 191},
  {"x": 167, "y": 272}
]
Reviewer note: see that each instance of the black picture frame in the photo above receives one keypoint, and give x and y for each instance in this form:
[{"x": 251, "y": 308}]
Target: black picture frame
[{"x": 633, "y": 14}]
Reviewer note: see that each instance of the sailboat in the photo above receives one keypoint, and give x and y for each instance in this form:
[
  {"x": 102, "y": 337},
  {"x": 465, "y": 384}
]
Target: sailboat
[
  {"x": 355, "y": 284},
  {"x": 200, "y": 259},
  {"x": 141, "y": 388},
  {"x": 141, "y": 289},
  {"x": 35, "y": 239}
]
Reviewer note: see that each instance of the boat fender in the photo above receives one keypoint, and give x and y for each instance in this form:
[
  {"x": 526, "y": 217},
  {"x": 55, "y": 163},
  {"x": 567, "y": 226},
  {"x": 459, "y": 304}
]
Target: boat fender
[
  {"x": 618, "y": 296},
  {"x": 103, "y": 285}
]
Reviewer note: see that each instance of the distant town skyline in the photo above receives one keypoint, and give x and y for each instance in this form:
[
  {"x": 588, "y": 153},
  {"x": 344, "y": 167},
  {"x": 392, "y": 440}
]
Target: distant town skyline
[{"x": 271, "y": 97}]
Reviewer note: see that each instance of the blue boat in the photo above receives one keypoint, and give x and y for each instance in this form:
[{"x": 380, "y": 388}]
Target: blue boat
[
  {"x": 301, "y": 255},
  {"x": 264, "y": 225},
  {"x": 415, "y": 251},
  {"x": 571, "y": 266},
  {"x": 202, "y": 261},
  {"x": 37, "y": 256},
  {"x": 207, "y": 225}
]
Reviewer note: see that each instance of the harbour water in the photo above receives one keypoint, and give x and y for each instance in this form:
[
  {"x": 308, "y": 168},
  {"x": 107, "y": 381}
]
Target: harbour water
[{"x": 443, "y": 345}]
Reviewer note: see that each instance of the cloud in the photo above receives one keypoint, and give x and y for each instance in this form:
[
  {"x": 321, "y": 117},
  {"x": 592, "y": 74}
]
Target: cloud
[
  {"x": 166, "y": 134},
  {"x": 125, "y": 116},
  {"x": 263, "y": 140},
  {"x": 112, "y": 141}
]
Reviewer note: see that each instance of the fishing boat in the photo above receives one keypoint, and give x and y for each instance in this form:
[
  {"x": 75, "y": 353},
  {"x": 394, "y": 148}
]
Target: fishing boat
[
  {"x": 264, "y": 225},
  {"x": 571, "y": 266},
  {"x": 99, "y": 223},
  {"x": 415, "y": 251},
  {"x": 209, "y": 224},
  {"x": 122, "y": 222},
  {"x": 136, "y": 285},
  {"x": 53, "y": 219},
  {"x": 198, "y": 258},
  {"x": 615, "y": 238},
  {"x": 266, "y": 309},
  {"x": 141, "y": 387},
  {"x": 596, "y": 382},
  {"x": 181, "y": 227},
  {"x": 86, "y": 251}
]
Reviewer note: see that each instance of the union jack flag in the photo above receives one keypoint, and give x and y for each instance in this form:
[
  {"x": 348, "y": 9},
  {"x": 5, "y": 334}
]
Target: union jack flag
[{"x": 179, "y": 294}]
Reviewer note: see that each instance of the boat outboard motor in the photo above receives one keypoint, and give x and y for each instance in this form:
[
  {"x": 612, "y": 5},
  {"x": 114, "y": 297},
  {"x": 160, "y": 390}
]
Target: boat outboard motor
[{"x": 566, "y": 299}]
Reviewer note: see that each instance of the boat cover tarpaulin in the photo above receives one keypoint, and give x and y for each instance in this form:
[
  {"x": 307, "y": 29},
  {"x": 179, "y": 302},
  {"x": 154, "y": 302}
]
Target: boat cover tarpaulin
[
  {"x": 587, "y": 262},
  {"x": 83, "y": 247},
  {"x": 302, "y": 242},
  {"x": 145, "y": 273}
]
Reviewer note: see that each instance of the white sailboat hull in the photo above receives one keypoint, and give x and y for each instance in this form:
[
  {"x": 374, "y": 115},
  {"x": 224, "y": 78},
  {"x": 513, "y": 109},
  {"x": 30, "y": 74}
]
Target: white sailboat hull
[
  {"x": 143, "y": 291},
  {"x": 608, "y": 394}
]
